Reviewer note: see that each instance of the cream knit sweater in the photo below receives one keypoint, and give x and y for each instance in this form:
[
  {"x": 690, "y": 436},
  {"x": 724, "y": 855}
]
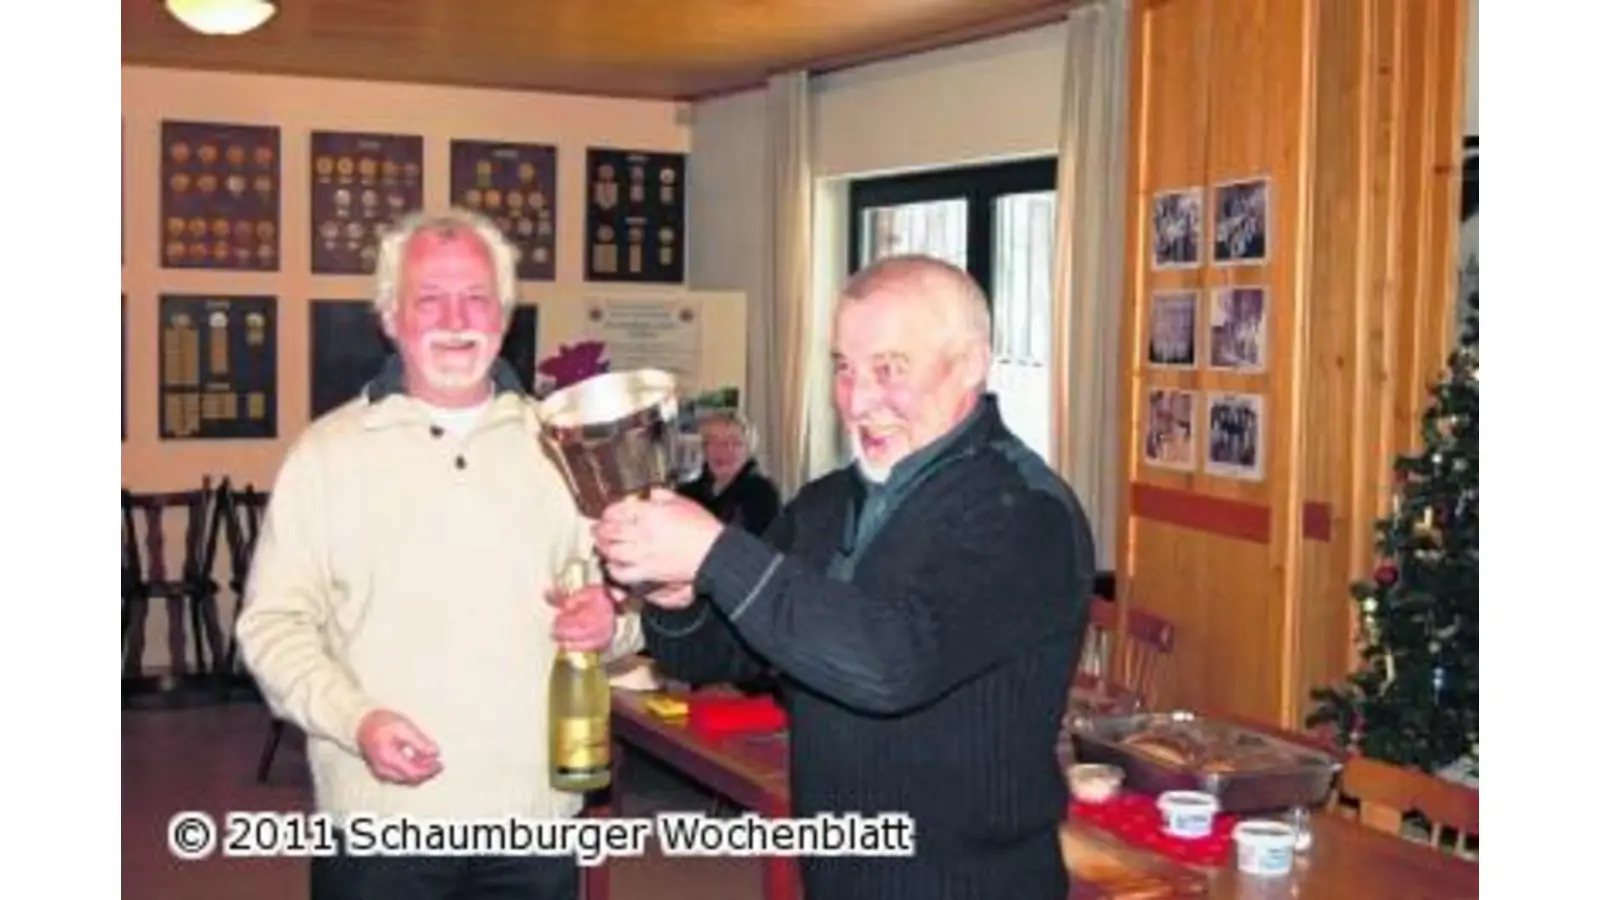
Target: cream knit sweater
[{"x": 405, "y": 568}]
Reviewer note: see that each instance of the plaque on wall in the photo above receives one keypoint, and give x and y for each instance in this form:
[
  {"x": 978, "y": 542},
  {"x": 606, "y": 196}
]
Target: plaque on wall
[
  {"x": 634, "y": 229},
  {"x": 218, "y": 367},
  {"x": 515, "y": 185},
  {"x": 348, "y": 348},
  {"x": 360, "y": 184},
  {"x": 220, "y": 189}
]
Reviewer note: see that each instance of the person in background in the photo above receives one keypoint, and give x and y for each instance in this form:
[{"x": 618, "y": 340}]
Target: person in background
[
  {"x": 925, "y": 606},
  {"x": 397, "y": 604},
  {"x": 730, "y": 485}
]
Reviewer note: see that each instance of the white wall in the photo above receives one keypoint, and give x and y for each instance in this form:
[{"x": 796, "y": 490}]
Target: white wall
[{"x": 973, "y": 103}]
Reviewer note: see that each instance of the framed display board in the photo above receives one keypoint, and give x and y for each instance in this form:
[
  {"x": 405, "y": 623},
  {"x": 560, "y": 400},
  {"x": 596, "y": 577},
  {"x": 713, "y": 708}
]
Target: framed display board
[
  {"x": 360, "y": 184},
  {"x": 515, "y": 185},
  {"x": 347, "y": 349},
  {"x": 218, "y": 371},
  {"x": 635, "y": 220},
  {"x": 220, "y": 191}
]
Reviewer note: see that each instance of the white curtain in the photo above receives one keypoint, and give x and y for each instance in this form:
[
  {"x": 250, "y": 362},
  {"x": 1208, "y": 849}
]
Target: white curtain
[
  {"x": 780, "y": 342},
  {"x": 1088, "y": 269}
]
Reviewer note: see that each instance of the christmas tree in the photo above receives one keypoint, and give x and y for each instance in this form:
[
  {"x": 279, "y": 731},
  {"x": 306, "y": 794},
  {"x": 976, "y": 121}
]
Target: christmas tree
[{"x": 1413, "y": 700}]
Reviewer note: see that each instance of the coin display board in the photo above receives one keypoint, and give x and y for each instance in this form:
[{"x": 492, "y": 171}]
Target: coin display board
[
  {"x": 220, "y": 191},
  {"x": 218, "y": 375},
  {"x": 360, "y": 184},
  {"x": 348, "y": 348},
  {"x": 634, "y": 229},
  {"x": 515, "y": 185}
]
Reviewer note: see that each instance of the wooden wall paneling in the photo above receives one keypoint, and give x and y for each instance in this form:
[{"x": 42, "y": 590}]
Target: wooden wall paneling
[
  {"x": 1255, "y": 130},
  {"x": 1343, "y": 106},
  {"x": 1340, "y": 215},
  {"x": 1287, "y": 42},
  {"x": 1377, "y": 313},
  {"x": 1432, "y": 42},
  {"x": 1169, "y": 91}
]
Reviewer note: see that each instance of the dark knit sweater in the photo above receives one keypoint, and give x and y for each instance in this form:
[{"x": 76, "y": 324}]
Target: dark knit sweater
[
  {"x": 928, "y": 674},
  {"x": 750, "y": 499}
]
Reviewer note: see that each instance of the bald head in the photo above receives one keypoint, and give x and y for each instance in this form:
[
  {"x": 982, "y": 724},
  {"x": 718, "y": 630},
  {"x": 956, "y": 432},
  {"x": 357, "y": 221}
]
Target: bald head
[
  {"x": 946, "y": 292},
  {"x": 910, "y": 355}
]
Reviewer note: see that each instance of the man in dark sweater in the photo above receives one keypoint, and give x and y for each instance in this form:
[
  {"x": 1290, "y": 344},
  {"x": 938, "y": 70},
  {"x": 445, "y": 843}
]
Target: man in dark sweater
[{"x": 925, "y": 606}]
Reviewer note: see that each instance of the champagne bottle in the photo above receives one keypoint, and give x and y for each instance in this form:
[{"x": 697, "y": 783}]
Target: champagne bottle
[
  {"x": 580, "y": 712},
  {"x": 580, "y": 723}
]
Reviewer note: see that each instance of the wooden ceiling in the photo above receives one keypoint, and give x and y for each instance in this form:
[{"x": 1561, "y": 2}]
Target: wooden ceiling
[
  {"x": 668, "y": 49},
  {"x": 639, "y": 48}
]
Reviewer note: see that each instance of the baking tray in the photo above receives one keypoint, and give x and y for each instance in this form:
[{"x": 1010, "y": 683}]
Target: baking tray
[{"x": 1248, "y": 771}]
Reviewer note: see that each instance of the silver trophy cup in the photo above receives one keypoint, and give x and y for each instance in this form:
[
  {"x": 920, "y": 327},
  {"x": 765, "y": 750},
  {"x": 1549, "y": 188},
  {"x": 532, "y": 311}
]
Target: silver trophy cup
[{"x": 613, "y": 437}]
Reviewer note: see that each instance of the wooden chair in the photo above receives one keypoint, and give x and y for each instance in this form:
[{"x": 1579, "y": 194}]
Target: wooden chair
[
  {"x": 1385, "y": 794},
  {"x": 190, "y": 596},
  {"x": 242, "y": 513},
  {"x": 1125, "y": 666},
  {"x": 247, "y": 510}
]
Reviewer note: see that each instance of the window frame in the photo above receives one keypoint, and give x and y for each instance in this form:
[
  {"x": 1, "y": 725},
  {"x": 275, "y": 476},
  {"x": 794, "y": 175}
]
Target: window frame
[{"x": 979, "y": 185}]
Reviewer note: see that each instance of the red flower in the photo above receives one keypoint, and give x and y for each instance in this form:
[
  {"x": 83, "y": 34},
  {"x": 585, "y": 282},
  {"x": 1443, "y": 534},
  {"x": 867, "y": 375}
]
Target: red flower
[{"x": 574, "y": 363}]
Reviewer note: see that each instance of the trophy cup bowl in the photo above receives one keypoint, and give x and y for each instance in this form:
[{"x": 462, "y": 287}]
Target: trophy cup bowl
[{"x": 612, "y": 436}]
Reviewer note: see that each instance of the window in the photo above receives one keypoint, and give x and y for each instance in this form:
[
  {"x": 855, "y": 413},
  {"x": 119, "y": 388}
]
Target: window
[{"x": 999, "y": 223}]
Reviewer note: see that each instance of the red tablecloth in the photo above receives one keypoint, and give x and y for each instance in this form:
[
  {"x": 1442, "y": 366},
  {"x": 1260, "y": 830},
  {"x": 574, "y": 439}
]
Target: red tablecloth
[{"x": 1134, "y": 818}]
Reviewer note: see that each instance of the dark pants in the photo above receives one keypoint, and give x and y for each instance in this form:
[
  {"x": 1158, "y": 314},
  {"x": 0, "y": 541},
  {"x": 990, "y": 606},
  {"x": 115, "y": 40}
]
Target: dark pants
[{"x": 444, "y": 878}]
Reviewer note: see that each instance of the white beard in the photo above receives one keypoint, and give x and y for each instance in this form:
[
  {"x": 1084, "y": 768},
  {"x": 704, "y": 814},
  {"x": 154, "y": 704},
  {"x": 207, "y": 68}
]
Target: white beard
[
  {"x": 452, "y": 378},
  {"x": 874, "y": 474}
]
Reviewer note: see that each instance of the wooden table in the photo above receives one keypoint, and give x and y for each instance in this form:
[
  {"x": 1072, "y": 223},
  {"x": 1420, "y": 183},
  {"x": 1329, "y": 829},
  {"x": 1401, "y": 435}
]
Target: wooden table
[
  {"x": 753, "y": 772},
  {"x": 1345, "y": 861}
]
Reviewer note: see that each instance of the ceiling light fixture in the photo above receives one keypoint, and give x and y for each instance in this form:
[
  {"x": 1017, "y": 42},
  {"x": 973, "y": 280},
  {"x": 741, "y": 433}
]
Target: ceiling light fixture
[{"x": 222, "y": 17}]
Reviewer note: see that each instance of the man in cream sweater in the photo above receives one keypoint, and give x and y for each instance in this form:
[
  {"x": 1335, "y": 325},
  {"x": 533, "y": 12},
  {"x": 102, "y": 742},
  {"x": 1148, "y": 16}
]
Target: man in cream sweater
[{"x": 397, "y": 608}]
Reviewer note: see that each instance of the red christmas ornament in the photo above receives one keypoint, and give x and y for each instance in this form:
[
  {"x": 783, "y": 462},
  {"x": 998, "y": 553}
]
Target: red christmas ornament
[{"x": 1387, "y": 574}]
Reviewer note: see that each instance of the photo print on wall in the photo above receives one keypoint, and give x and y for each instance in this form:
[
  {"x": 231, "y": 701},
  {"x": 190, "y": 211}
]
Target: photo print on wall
[
  {"x": 1238, "y": 325},
  {"x": 1169, "y": 429},
  {"x": 1175, "y": 222},
  {"x": 1239, "y": 234},
  {"x": 1172, "y": 329},
  {"x": 1234, "y": 447}
]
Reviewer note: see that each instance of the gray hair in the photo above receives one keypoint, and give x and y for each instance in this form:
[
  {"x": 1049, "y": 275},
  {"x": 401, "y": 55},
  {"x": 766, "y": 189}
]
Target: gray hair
[
  {"x": 392, "y": 254},
  {"x": 963, "y": 305},
  {"x": 729, "y": 417}
]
